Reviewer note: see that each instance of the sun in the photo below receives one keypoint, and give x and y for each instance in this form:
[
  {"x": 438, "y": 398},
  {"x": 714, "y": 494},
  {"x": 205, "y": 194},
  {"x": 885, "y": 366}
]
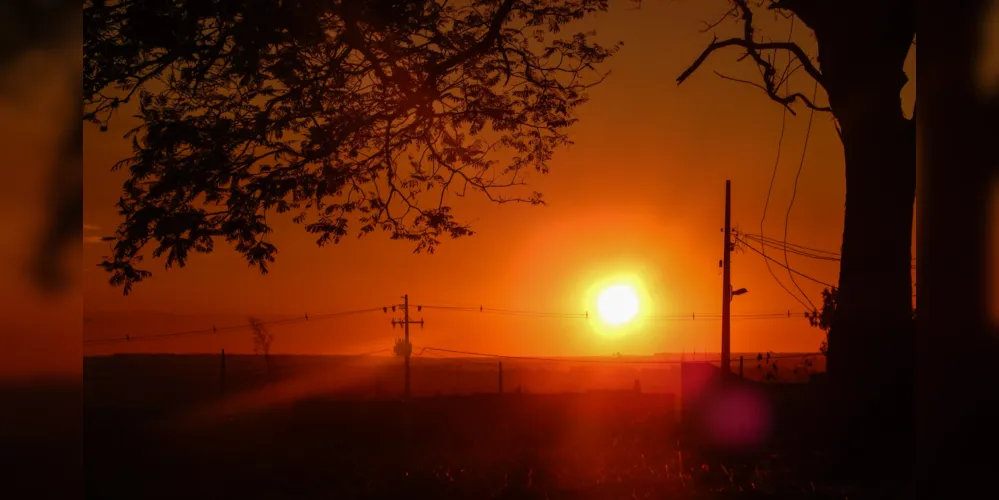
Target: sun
[{"x": 617, "y": 304}]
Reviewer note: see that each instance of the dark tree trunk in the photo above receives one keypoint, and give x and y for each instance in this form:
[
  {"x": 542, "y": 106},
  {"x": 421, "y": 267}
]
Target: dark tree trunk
[{"x": 871, "y": 343}]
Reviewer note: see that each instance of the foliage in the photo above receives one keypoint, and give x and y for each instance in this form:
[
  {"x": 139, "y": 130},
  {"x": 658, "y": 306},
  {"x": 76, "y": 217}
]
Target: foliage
[
  {"x": 402, "y": 348},
  {"x": 824, "y": 319},
  {"x": 352, "y": 115}
]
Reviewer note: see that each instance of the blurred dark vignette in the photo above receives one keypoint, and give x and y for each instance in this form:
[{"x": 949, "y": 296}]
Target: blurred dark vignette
[
  {"x": 958, "y": 337},
  {"x": 42, "y": 195}
]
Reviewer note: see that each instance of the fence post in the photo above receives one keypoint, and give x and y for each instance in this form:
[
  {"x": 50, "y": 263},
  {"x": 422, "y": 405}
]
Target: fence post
[
  {"x": 501, "y": 377},
  {"x": 222, "y": 374},
  {"x": 740, "y": 366}
]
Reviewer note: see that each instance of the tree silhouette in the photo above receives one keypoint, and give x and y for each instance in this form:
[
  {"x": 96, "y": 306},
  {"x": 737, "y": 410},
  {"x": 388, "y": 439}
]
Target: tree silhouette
[
  {"x": 859, "y": 66},
  {"x": 359, "y": 115},
  {"x": 823, "y": 319},
  {"x": 262, "y": 340}
]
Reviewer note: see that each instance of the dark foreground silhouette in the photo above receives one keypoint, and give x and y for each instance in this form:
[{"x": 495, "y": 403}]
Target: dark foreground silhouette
[{"x": 302, "y": 444}]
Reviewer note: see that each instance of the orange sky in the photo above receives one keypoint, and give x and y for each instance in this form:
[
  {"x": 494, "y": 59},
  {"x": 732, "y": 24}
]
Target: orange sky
[{"x": 640, "y": 193}]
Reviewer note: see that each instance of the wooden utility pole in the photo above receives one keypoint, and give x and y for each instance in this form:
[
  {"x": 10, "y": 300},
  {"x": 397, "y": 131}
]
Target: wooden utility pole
[
  {"x": 407, "y": 348},
  {"x": 501, "y": 377},
  {"x": 222, "y": 374},
  {"x": 727, "y": 283}
]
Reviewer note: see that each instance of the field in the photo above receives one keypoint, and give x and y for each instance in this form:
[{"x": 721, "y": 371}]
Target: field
[{"x": 162, "y": 432}]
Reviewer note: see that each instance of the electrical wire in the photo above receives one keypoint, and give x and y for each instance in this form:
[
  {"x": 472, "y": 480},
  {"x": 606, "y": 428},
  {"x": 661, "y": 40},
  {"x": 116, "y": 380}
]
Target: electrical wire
[
  {"x": 791, "y": 248},
  {"x": 804, "y": 251},
  {"x": 600, "y": 361},
  {"x": 773, "y": 176},
  {"x": 794, "y": 193},
  {"x": 548, "y": 314},
  {"x": 511, "y": 312},
  {"x": 799, "y": 273},
  {"x": 212, "y": 330}
]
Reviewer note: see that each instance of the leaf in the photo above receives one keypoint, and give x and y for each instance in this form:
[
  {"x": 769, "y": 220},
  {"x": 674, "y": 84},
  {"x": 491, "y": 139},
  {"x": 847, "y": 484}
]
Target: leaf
[{"x": 277, "y": 109}]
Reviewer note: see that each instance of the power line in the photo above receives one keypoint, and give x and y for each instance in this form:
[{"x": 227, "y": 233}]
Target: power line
[
  {"x": 706, "y": 317},
  {"x": 362, "y": 354},
  {"x": 212, "y": 330},
  {"x": 512, "y": 312},
  {"x": 792, "y": 248},
  {"x": 547, "y": 314},
  {"x": 804, "y": 251},
  {"x": 539, "y": 314},
  {"x": 773, "y": 176},
  {"x": 794, "y": 193},
  {"x": 799, "y": 273},
  {"x": 599, "y": 361}
]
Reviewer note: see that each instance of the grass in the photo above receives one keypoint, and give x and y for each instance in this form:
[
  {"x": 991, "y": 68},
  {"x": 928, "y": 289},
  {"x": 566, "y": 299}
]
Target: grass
[
  {"x": 431, "y": 448},
  {"x": 167, "y": 433}
]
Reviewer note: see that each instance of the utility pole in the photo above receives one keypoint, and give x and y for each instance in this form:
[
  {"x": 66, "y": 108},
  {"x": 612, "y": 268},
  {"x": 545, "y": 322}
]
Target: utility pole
[
  {"x": 222, "y": 374},
  {"x": 727, "y": 284},
  {"x": 406, "y": 350},
  {"x": 501, "y": 377}
]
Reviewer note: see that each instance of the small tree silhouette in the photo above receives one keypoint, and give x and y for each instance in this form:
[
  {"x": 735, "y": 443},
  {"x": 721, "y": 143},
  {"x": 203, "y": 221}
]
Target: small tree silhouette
[
  {"x": 823, "y": 319},
  {"x": 262, "y": 340},
  {"x": 402, "y": 348}
]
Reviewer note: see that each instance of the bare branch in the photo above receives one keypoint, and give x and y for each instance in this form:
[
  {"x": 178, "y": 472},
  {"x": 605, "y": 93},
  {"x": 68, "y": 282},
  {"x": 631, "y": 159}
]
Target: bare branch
[
  {"x": 752, "y": 47},
  {"x": 789, "y": 98},
  {"x": 733, "y": 12},
  {"x": 771, "y": 81}
]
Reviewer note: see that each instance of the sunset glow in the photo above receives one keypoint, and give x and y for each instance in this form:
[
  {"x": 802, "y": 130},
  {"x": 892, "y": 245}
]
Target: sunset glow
[{"x": 617, "y": 304}]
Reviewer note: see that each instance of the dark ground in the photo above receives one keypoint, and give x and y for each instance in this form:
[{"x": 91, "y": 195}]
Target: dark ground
[
  {"x": 601, "y": 445},
  {"x": 527, "y": 446}
]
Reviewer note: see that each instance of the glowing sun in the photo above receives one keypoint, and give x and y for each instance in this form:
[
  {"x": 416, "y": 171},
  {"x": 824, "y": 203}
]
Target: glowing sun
[{"x": 618, "y": 304}]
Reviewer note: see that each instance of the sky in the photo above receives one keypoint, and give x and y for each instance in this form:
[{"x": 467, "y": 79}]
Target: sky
[{"x": 639, "y": 198}]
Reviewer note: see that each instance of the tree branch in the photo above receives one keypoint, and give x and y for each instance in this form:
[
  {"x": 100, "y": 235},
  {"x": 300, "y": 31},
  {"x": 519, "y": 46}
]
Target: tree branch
[
  {"x": 790, "y": 98},
  {"x": 710, "y": 26},
  {"x": 752, "y": 46},
  {"x": 771, "y": 83},
  {"x": 479, "y": 47}
]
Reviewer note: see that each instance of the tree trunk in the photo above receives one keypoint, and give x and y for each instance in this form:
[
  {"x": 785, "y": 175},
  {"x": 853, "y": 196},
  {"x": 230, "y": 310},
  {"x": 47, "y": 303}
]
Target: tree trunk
[{"x": 871, "y": 341}]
